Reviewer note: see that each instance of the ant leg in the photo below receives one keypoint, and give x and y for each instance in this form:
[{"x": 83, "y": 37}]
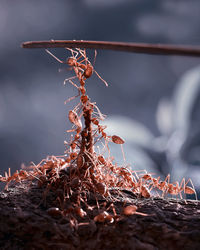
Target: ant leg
[
  {"x": 101, "y": 116},
  {"x": 167, "y": 178},
  {"x": 96, "y": 115},
  {"x": 165, "y": 190},
  {"x": 71, "y": 130},
  {"x": 73, "y": 97},
  {"x": 74, "y": 84},
  {"x": 154, "y": 183},
  {"x": 180, "y": 194},
  {"x": 101, "y": 78},
  {"x": 150, "y": 188},
  {"x": 83, "y": 53},
  {"x": 77, "y": 52},
  {"x": 57, "y": 59},
  {"x": 95, "y": 56},
  {"x": 98, "y": 139},
  {"x": 73, "y": 52},
  {"x": 135, "y": 172},
  {"x": 191, "y": 190},
  {"x": 123, "y": 154},
  {"x": 9, "y": 172},
  {"x": 85, "y": 59},
  {"x": 181, "y": 188},
  {"x": 77, "y": 108},
  {"x": 69, "y": 79}
]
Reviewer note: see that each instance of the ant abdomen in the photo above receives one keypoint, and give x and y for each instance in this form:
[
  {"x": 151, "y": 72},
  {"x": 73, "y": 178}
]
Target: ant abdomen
[{"x": 88, "y": 71}]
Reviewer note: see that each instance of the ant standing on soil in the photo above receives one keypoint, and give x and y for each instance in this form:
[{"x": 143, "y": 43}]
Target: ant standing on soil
[{"x": 170, "y": 188}]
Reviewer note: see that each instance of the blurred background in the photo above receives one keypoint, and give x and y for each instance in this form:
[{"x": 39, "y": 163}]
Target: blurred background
[{"x": 152, "y": 101}]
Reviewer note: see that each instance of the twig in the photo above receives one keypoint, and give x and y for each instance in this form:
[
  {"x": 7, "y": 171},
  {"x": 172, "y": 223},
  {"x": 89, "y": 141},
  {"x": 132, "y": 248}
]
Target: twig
[{"x": 146, "y": 48}]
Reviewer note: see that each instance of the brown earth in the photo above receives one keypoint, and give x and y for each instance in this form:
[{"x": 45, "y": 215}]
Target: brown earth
[{"x": 26, "y": 224}]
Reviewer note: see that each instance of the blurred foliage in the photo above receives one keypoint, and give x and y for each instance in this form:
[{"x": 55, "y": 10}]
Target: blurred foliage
[{"x": 177, "y": 149}]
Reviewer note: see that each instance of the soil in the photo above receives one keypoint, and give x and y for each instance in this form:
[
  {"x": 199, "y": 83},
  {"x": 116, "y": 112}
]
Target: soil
[{"x": 26, "y": 222}]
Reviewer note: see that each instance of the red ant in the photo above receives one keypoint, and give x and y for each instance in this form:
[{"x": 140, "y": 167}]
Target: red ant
[
  {"x": 81, "y": 69},
  {"x": 171, "y": 188},
  {"x": 177, "y": 189}
]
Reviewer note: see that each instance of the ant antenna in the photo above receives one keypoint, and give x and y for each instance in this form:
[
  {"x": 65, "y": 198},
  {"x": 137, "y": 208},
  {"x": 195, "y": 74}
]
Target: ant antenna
[
  {"x": 57, "y": 59},
  {"x": 95, "y": 56}
]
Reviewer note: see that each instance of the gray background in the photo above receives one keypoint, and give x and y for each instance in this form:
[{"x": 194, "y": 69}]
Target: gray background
[{"x": 146, "y": 94}]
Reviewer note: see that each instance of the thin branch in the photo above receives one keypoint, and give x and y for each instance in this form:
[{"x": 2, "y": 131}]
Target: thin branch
[{"x": 145, "y": 48}]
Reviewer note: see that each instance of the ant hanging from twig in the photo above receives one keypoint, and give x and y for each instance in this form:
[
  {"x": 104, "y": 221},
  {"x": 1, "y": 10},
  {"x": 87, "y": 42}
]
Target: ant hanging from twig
[{"x": 81, "y": 69}]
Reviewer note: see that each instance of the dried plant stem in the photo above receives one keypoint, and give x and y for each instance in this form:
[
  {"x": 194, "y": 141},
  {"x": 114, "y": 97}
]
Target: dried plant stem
[{"x": 146, "y": 48}]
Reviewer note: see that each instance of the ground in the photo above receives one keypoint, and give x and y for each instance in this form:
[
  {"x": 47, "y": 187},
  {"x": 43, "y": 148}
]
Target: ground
[{"x": 26, "y": 223}]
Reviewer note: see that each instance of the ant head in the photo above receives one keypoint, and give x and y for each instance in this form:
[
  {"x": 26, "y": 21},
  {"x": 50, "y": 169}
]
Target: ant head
[{"x": 71, "y": 61}]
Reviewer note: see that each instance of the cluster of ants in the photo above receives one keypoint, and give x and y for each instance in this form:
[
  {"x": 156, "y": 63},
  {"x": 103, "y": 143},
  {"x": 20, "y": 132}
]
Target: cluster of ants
[{"x": 83, "y": 171}]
